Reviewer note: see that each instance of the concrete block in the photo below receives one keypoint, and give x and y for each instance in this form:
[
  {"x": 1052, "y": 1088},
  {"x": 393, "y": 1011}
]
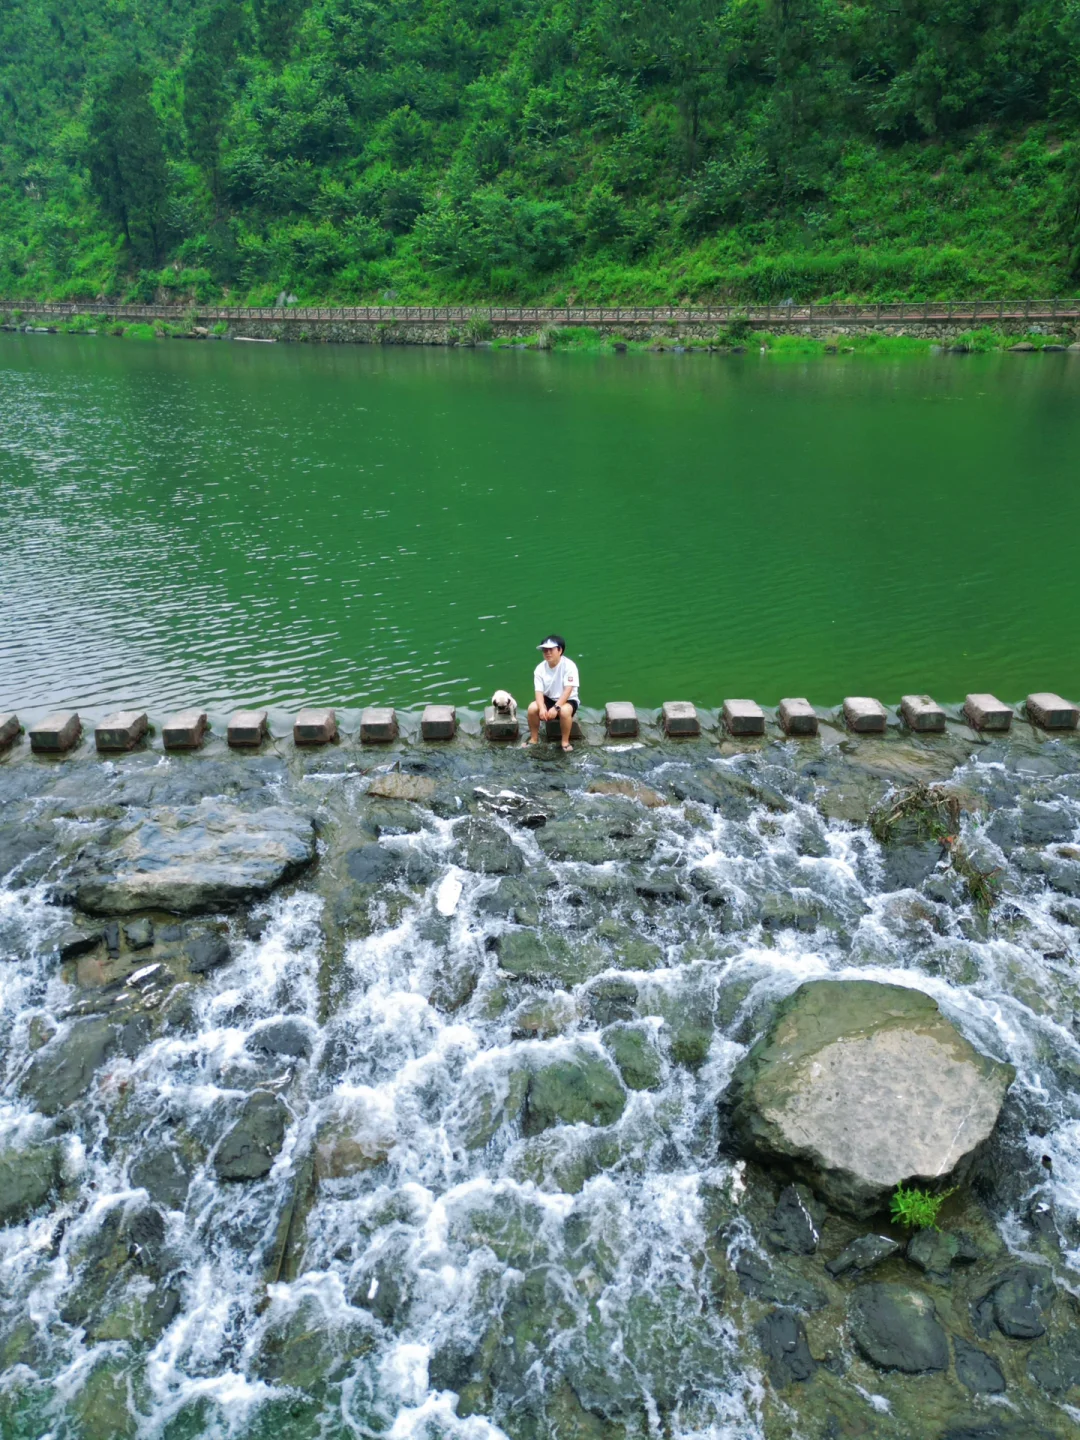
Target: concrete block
[
  {"x": 184, "y": 730},
  {"x": 438, "y": 722},
  {"x": 553, "y": 730},
  {"x": 744, "y": 717},
  {"x": 315, "y": 727},
  {"x": 56, "y": 733},
  {"x": 498, "y": 726},
  {"x": 922, "y": 713},
  {"x": 620, "y": 718},
  {"x": 798, "y": 717},
  {"x": 247, "y": 727},
  {"x": 121, "y": 731},
  {"x": 9, "y": 730},
  {"x": 986, "y": 712},
  {"x": 864, "y": 715},
  {"x": 378, "y": 724},
  {"x": 1051, "y": 711},
  {"x": 679, "y": 717}
]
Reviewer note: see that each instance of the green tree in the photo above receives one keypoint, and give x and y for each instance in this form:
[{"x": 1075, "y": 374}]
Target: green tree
[
  {"x": 126, "y": 159},
  {"x": 207, "y": 91}
]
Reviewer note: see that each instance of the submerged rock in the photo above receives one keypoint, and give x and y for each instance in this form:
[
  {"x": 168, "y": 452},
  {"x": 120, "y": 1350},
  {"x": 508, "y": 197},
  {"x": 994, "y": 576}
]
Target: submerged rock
[
  {"x": 936, "y": 1251},
  {"x": 248, "y": 1150},
  {"x": 796, "y": 1222},
  {"x": 1020, "y": 1301},
  {"x": 782, "y": 1336},
  {"x": 483, "y": 847},
  {"x": 194, "y": 858},
  {"x": 584, "y": 1089},
  {"x": 862, "y": 1254},
  {"x": 63, "y": 1071},
  {"x": 860, "y": 1086},
  {"x": 897, "y": 1329},
  {"x": 976, "y": 1369},
  {"x": 27, "y": 1179}
]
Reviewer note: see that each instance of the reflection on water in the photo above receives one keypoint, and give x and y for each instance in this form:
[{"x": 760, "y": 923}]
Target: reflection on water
[{"x": 185, "y": 523}]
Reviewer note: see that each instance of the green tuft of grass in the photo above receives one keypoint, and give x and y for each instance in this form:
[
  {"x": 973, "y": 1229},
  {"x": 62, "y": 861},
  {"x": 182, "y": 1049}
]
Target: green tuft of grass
[{"x": 917, "y": 1209}]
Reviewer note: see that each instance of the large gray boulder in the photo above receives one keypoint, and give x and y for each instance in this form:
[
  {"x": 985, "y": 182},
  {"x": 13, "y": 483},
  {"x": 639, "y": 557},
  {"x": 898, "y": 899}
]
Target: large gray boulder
[
  {"x": 27, "y": 1179},
  {"x": 858, "y": 1086},
  {"x": 189, "y": 859}
]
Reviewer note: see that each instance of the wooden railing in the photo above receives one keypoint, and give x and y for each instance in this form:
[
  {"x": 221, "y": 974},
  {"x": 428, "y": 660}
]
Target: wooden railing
[{"x": 763, "y": 317}]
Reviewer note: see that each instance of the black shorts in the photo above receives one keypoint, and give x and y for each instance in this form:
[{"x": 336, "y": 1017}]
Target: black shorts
[{"x": 549, "y": 702}]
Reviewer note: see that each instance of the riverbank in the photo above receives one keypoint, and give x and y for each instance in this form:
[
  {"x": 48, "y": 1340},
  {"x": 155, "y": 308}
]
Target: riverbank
[{"x": 401, "y": 1092}]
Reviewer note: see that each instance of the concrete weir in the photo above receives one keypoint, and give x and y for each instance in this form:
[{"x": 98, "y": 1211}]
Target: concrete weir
[
  {"x": 121, "y": 731},
  {"x": 10, "y": 730}
]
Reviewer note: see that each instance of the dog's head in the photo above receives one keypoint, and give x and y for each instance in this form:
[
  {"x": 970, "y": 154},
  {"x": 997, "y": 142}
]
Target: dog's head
[{"x": 504, "y": 702}]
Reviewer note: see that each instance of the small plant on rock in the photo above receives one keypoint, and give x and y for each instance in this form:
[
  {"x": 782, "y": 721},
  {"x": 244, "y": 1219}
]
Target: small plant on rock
[{"x": 915, "y": 1208}]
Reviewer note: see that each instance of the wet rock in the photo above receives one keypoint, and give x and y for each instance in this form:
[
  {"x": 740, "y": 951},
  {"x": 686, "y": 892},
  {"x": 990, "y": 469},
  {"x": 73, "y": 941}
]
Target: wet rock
[
  {"x": 63, "y": 1071},
  {"x": 976, "y": 1369},
  {"x": 897, "y": 1328},
  {"x": 635, "y": 1055},
  {"x": 191, "y": 859},
  {"x": 207, "y": 952},
  {"x": 164, "y": 1172},
  {"x": 543, "y": 1017},
  {"x": 1054, "y": 1365},
  {"x": 581, "y": 1090},
  {"x": 775, "y": 1284},
  {"x": 514, "y": 899},
  {"x": 73, "y": 942},
  {"x": 290, "y": 1037},
  {"x": 662, "y": 887},
  {"x": 248, "y": 1150},
  {"x": 795, "y": 1224},
  {"x": 403, "y": 787},
  {"x": 545, "y": 955},
  {"x": 791, "y": 912},
  {"x": 782, "y": 1337},
  {"x": 28, "y": 1178},
  {"x": 308, "y": 1348},
  {"x": 483, "y": 847},
  {"x": 593, "y": 842},
  {"x": 373, "y": 864},
  {"x": 139, "y": 934},
  {"x": 859, "y": 1086},
  {"x": 1021, "y": 1300},
  {"x": 612, "y": 1000},
  {"x": 26, "y": 854},
  {"x": 383, "y": 1284},
  {"x": 936, "y": 1251},
  {"x": 862, "y": 1254},
  {"x": 350, "y": 1142}
]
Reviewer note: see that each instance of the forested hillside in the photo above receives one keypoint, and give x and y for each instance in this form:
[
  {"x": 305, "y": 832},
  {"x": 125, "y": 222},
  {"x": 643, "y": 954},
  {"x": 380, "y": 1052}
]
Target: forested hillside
[{"x": 598, "y": 150}]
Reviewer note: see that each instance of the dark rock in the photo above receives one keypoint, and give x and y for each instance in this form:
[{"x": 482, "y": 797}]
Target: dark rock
[
  {"x": 612, "y": 1000},
  {"x": 111, "y": 935},
  {"x": 372, "y": 864},
  {"x": 897, "y": 1328},
  {"x": 936, "y": 1251},
  {"x": 662, "y": 886},
  {"x": 976, "y": 1369},
  {"x": 487, "y": 849},
  {"x": 859, "y": 1086},
  {"x": 27, "y": 1179},
  {"x": 775, "y": 1284},
  {"x": 634, "y": 1053},
  {"x": 207, "y": 952},
  {"x": 1054, "y": 1365},
  {"x": 73, "y": 942},
  {"x": 383, "y": 1284},
  {"x": 164, "y": 1173},
  {"x": 191, "y": 859},
  {"x": 63, "y": 1070},
  {"x": 862, "y": 1254},
  {"x": 1021, "y": 1299},
  {"x": 796, "y": 1222},
  {"x": 139, "y": 934},
  {"x": 247, "y": 1152},
  {"x": 782, "y": 1336},
  {"x": 304, "y": 1350},
  {"x": 283, "y": 1037},
  {"x": 548, "y": 956}
]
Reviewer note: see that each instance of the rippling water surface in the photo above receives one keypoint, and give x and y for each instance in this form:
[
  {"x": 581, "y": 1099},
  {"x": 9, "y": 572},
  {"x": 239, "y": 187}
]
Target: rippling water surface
[{"x": 237, "y": 524}]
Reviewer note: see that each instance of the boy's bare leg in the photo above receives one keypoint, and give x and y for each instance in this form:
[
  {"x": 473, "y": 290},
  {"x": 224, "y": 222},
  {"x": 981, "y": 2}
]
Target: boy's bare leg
[
  {"x": 566, "y": 724},
  {"x": 534, "y": 725}
]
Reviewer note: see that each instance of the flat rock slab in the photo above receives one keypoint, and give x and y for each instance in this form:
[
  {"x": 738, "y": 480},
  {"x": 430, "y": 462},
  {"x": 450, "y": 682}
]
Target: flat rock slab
[
  {"x": 247, "y": 728},
  {"x": 1051, "y": 712},
  {"x": 620, "y": 718},
  {"x": 865, "y": 715},
  {"x": 438, "y": 722},
  {"x": 10, "y": 729},
  {"x": 679, "y": 717},
  {"x": 378, "y": 724},
  {"x": 56, "y": 733},
  {"x": 897, "y": 1329},
  {"x": 922, "y": 714},
  {"x": 986, "y": 712},
  {"x": 500, "y": 726},
  {"x": 859, "y": 1086},
  {"x": 193, "y": 858},
  {"x": 121, "y": 731},
  {"x": 315, "y": 727},
  {"x": 798, "y": 717},
  {"x": 185, "y": 730},
  {"x": 744, "y": 717},
  {"x": 553, "y": 730}
]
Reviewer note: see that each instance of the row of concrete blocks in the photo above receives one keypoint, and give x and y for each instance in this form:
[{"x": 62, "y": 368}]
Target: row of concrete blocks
[{"x": 249, "y": 728}]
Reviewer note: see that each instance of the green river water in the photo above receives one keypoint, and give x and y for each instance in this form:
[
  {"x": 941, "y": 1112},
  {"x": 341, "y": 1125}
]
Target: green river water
[{"x": 228, "y": 524}]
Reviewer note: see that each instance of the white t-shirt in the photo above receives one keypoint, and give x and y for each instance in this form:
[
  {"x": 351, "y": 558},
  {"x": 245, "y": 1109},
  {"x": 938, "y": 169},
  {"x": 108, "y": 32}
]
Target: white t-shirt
[{"x": 553, "y": 682}]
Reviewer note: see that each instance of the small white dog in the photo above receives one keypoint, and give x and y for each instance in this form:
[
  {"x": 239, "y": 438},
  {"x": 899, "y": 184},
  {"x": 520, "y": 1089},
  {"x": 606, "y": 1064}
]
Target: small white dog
[{"x": 504, "y": 704}]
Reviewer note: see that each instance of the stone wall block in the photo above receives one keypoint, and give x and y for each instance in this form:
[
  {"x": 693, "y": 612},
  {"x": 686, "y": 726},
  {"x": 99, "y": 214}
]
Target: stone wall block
[
  {"x": 986, "y": 712},
  {"x": 378, "y": 725},
  {"x": 679, "y": 717},
  {"x": 121, "y": 731},
  {"x": 798, "y": 717},
  {"x": 865, "y": 715},
  {"x": 315, "y": 727},
  {"x": 1051, "y": 712},
  {"x": 247, "y": 728},
  {"x": 744, "y": 717},
  {"x": 438, "y": 722},
  {"x": 921, "y": 713},
  {"x": 56, "y": 733},
  {"x": 498, "y": 726},
  {"x": 620, "y": 718},
  {"x": 184, "y": 730},
  {"x": 10, "y": 730}
]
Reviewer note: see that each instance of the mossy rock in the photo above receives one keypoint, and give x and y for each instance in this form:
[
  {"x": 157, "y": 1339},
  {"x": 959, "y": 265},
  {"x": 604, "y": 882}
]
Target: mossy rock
[
  {"x": 581, "y": 1090},
  {"x": 103, "y": 1407},
  {"x": 633, "y": 1051}
]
